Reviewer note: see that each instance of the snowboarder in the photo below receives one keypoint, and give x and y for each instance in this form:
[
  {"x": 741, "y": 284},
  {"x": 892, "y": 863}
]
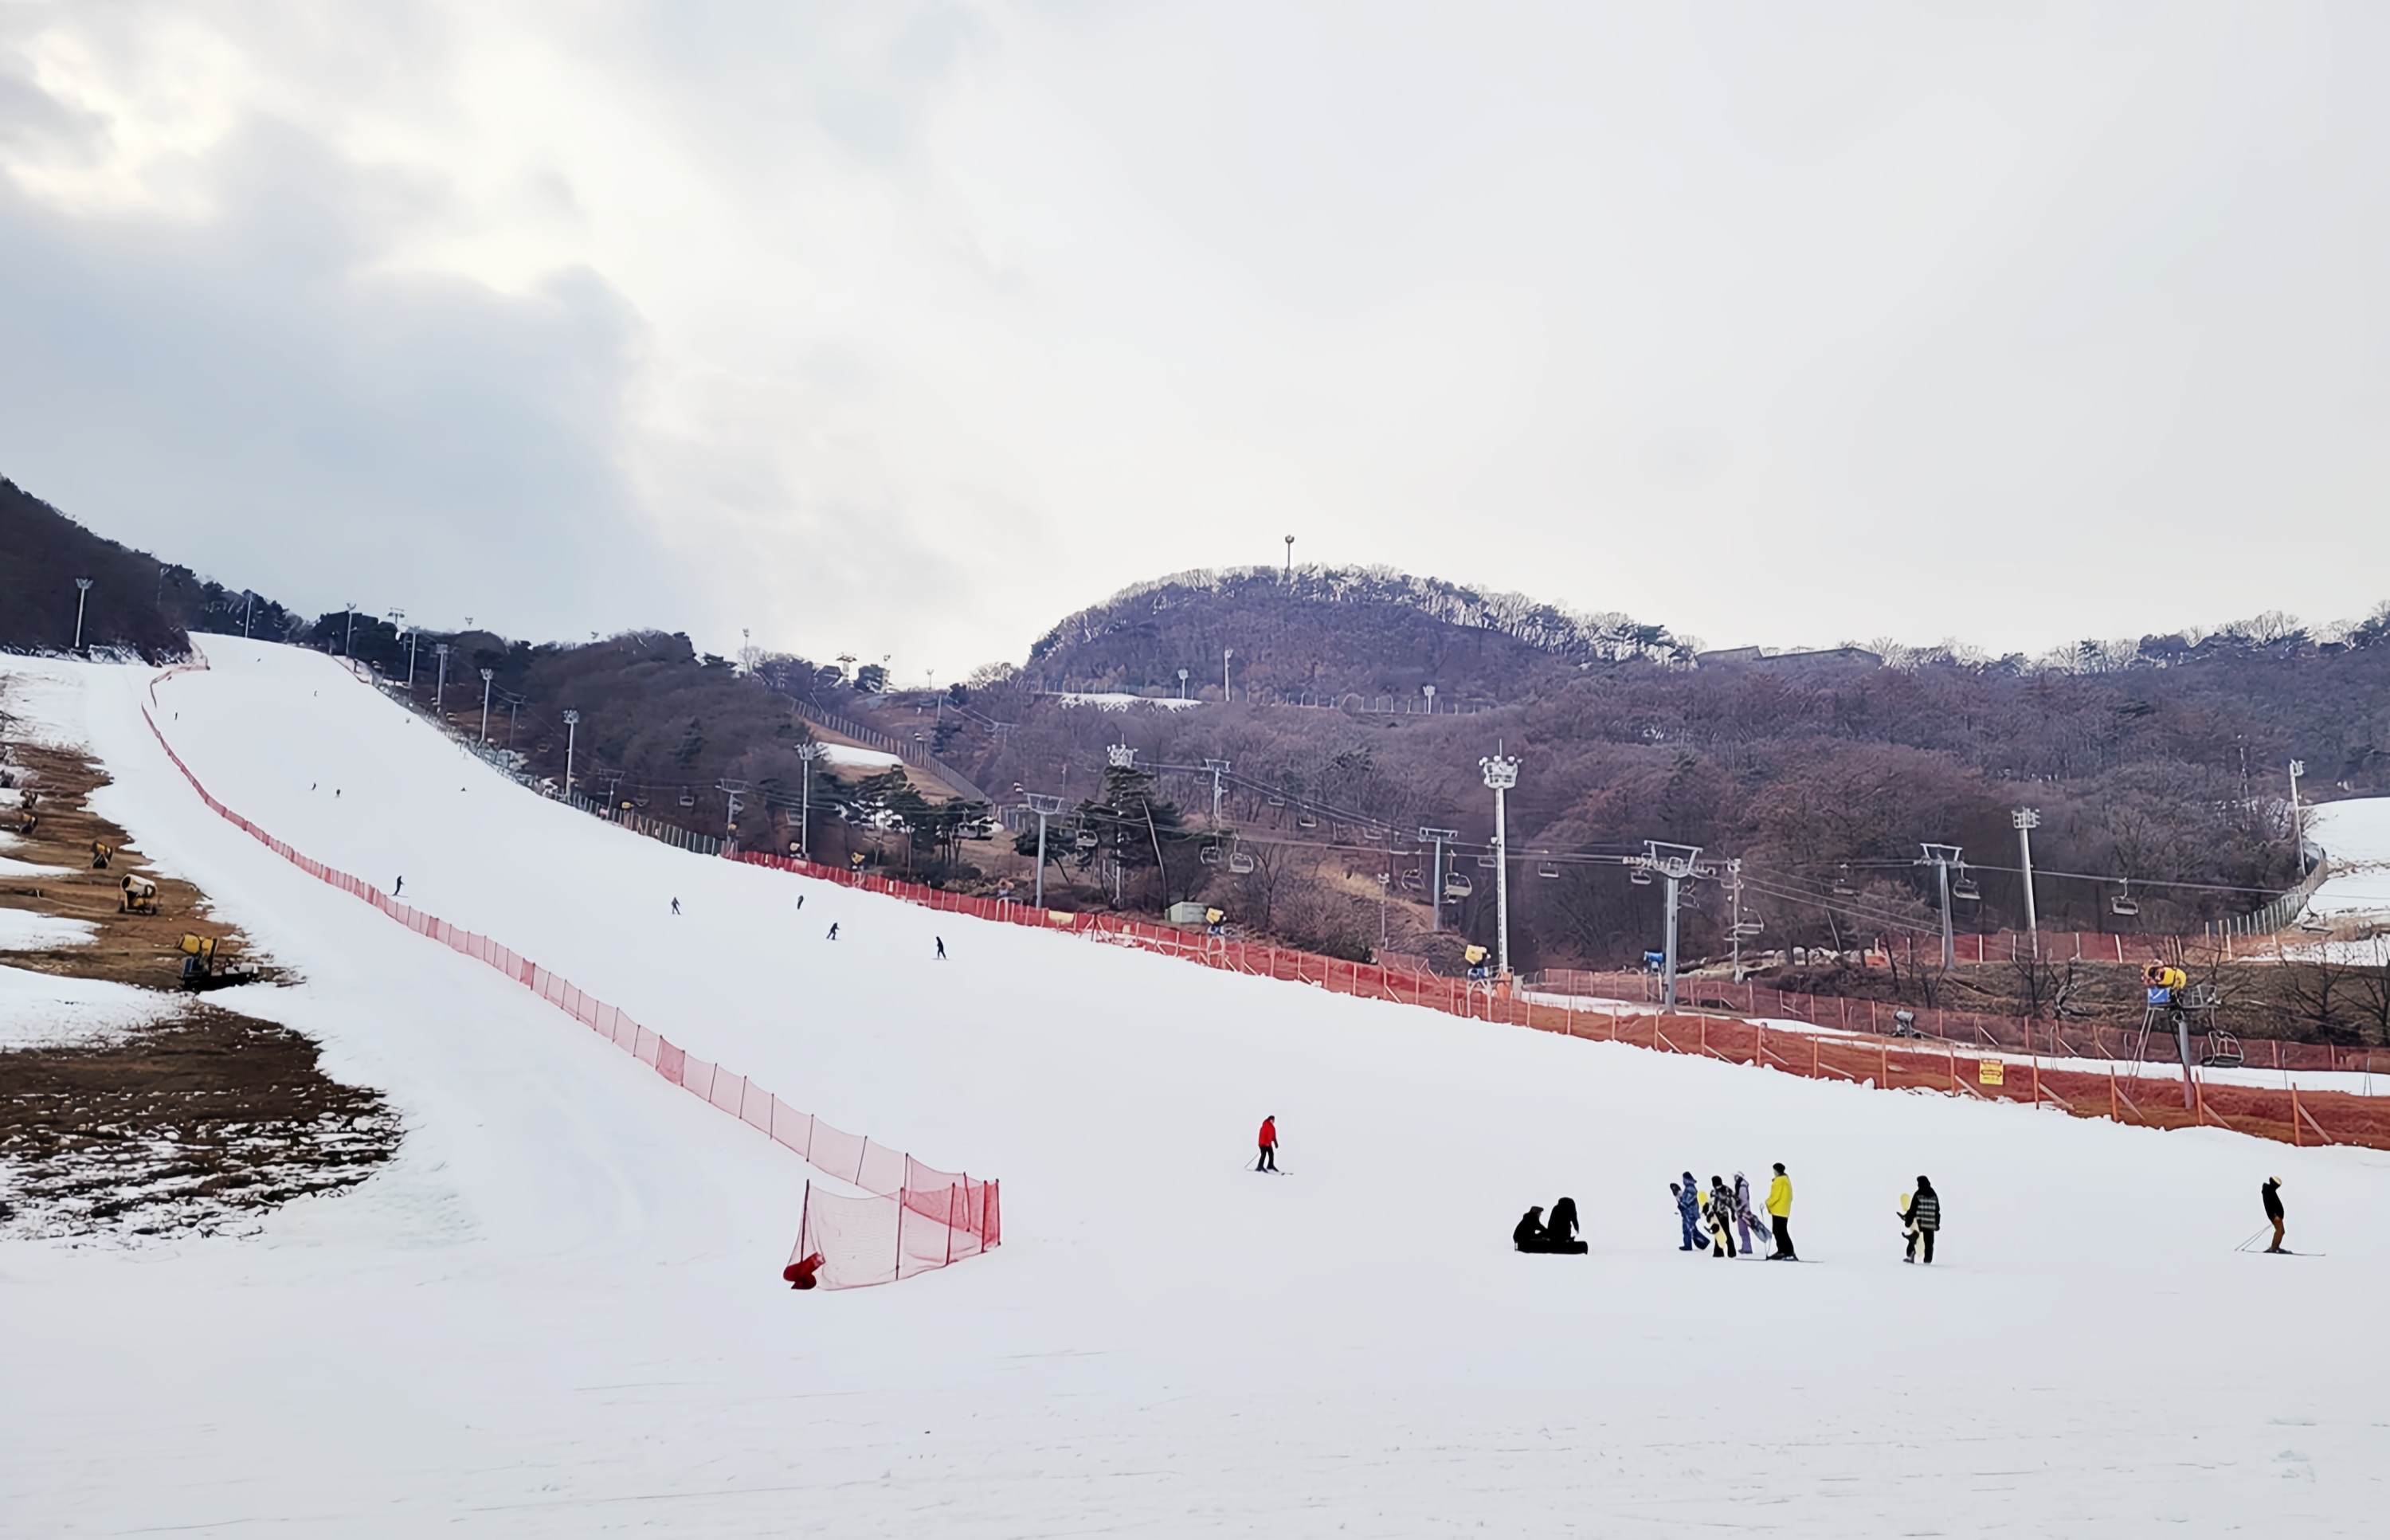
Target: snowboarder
[
  {"x": 800, "y": 901},
  {"x": 397, "y": 888},
  {"x": 1923, "y": 1217},
  {"x": 1269, "y": 1161},
  {"x": 1719, "y": 1211},
  {"x": 1779, "y": 1214},
  {"x": 2271, "y": 1196},
  {"x": 833, "y": 930},
  {"x": 1564, "y": 1226},
  {"x": 942, "y": 947},
  {"x": 1743, "y": 1212},
  {"x": 1688, "y": 1209},
  {"x": 676, "y": 905},
  {"x": 1529, "y": 1234}
]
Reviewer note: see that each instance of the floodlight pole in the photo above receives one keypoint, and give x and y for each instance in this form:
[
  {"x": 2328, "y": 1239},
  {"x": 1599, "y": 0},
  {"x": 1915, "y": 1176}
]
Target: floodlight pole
[
  {"x": 1436, "y": 891},
  {"x": 83, "y": 595},
  {"x": 1734, "y": 897},
  {"x": 571, "y": 734},
  {"x": 1501, "y": 774},
  {"x": 1942, "y": 858},
  {"x": 2298, "y": 836},
  {"x": 1182, "y": 684},
  {"x": 2027, "y": 819},
  {"x": 441, "y": 688},
  {"x": 1226, "y": 653},
  {"x": 248, "y": 610},
  {"x": 487, "y": 674},
  {"x": 348, "y": 639},
  {"x": 808, "y": 752},
  {"x": 1045, "y": 807},
  {"x": 1218, "y": 767}
]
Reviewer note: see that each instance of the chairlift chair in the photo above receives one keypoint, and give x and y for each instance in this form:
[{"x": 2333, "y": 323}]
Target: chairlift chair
[
  {"x": 1240, "y": 862},
  {"x": 1546, "y": 868},
  {"x": 1276, "y": 801},
  {"x": 1415, "y": 879},
  {"x": 1086, "y": 840},
  {"x": 2223, "y": 1051},
  {"x": 687, "y": 798},
  {"x": 2124, "y": 904},
  {"x": 1457, "y": 886},
  {"x": 1841, "y": 888},
  {"x": 1305, "y": 820},
  {"x": 1489, "y": 861},
  {"x": 1966, "y": 890},
  {"x": 1208, "y": 852},
  {"x": 1750, "y": 927},
  {"x": 1641, "y": 877}
]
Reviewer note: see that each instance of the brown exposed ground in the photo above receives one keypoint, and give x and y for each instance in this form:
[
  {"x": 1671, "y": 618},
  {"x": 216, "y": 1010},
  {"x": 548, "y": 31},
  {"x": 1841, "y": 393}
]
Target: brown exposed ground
[{"x": 199, "y": 1124}]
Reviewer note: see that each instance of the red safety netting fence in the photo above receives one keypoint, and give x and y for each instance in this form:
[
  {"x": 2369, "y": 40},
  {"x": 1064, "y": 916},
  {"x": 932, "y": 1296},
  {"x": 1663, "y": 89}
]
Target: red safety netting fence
[
  {"x": 1848, "y": 1049},
  {"x": 929, "y": 1217}
]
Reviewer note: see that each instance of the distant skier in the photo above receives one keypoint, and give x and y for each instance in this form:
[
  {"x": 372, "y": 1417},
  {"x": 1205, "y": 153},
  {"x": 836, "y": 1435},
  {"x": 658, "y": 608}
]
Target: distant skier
[
  {"x": 397, "y": 888},
  {"x": 2271, "y": 1196},
  {"x": 942, "y": 947},
  {"x": 1689, "y": 1210},
  {"x": 800, "y": 901},
  {"x": 1719, "y": 1211},
  {"x": 1743, "y": 1212},
  {"x": 676, "y": 905},
  {"x": 1923, "y": 1217},
  {"x": 1779, "y": 1214},
  {"x": 833, "y": 930},
  {"x": 1269, "y": 1161}
]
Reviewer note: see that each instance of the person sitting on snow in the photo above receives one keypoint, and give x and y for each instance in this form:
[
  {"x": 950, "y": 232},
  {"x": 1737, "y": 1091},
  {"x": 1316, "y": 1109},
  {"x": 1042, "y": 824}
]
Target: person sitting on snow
[
  {"x": 1529, "y": 1234},
  {"x": 1561, "y": 1235}
]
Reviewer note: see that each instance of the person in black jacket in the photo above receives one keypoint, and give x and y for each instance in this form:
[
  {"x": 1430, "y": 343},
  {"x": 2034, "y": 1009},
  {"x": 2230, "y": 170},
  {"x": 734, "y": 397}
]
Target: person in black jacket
[
  {"x": 1529, "y": 1234},
  {"x": 1923, "y": 1217},
  {"x": 2271, "y": 1196},
  {"x": 1563, "y": 1230}
]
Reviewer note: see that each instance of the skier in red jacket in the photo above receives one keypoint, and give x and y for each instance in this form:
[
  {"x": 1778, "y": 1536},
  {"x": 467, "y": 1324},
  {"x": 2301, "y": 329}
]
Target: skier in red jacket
[{"x": 1269, "y": 1161}]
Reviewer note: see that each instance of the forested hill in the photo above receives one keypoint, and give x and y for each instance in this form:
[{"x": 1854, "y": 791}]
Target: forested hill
[
  {"x": 1370, "y": 631},
  {"x": 135, "y": 600}
]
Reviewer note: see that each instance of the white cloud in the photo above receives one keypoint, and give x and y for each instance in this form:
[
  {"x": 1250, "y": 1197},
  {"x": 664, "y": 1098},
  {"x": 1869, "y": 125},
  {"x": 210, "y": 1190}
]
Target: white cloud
[{"x": 906, "y": 329}]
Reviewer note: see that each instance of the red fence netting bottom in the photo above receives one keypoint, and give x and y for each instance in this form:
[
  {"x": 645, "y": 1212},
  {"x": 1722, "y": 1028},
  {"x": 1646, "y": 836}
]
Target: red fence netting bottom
[{"x": 930, "y": 1217}]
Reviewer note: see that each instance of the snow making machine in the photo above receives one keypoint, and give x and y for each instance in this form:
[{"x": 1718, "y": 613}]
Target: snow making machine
[{"x": 137, "y": 895}]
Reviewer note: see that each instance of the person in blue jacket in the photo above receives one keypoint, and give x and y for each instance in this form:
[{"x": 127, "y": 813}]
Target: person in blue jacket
[{"x": 1689, "y": 1210}]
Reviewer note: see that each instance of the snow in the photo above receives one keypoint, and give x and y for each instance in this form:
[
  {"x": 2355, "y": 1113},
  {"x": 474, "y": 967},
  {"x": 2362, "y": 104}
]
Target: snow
[
  {"x": 557, "y": 1311},
  {"x": 847, "y": 758},
  {"x": 23, "y": 930},
  {"x": 2355, "y": 834},
  {"x": 9, "y": 866},
  {"x": 40, "y": 1010},
  {"x": 1107, "y": 701}
]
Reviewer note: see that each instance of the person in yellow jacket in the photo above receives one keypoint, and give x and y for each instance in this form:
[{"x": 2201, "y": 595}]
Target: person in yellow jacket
[{"x": 1779, "y": 1215}]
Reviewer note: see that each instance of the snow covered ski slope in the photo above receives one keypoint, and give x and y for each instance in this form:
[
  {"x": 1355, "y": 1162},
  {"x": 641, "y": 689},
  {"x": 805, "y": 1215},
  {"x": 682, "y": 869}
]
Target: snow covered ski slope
[{"x": 559, "y": 1312}]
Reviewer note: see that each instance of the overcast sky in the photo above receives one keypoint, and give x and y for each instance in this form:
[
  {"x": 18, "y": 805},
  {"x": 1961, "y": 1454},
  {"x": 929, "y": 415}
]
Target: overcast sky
[{"x": 906, "y": 328}]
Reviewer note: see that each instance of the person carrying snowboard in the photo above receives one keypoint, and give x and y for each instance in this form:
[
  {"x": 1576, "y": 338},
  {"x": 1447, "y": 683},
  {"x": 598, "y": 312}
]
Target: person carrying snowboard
[
  {"x": 1718, "y": 1209},
  {"x": 1689, "y": 1211},
  {"x": 1921, "y": 1218},
  {"x": 1743, "y": 1212},
  {"x": 1269, "y": 1161},
  {"x": 1779, "y": 1215},
  {"x": 2271, "y": 1196}
]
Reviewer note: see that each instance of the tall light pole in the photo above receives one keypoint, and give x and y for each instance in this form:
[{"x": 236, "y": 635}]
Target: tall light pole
[
  {"x": 440, "y": 687},
  {"x": 1440, "y": 837},
  {"x": 1218, "y": 767},
  {"x": 1226, "y": 653},
  {"x": 247, "y": 610},
  {"x": 2027, "y": 819},
  {"x": 83, "y": 594},
  {"x": 1429, "y": 690},
  {"x": 1182, "y": 684},
  {"x": 349, "y": 637},
  {"x": 571, "y": 735},
  {"x": 1045, "y": 807},
  {"x": 1942, "y": 858},
  {"x": 1289, "y": 561},
  {"x": 1675, "y": 863},
  {"x": 2297, "y": 836},
  {"x": 1501, "y": 774},
  {"x": 808, "y": 752},
  {"x": 487, "y": 674}
]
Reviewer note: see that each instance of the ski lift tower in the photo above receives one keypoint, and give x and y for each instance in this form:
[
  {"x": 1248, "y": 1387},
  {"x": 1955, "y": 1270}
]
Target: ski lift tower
[
  {"x": 1045, "y": 807},
  {"x": 83, "y": 595},
  {"x": 487, "y": 674},
  {"x": 2027, "y": 819},
  {"x": 1440, "y": 837},
  {"x": 735, "y": 791},
  {"x": 1501, "y": 774},
  {"x": 1942, "y": 858},
  {"x": 2298, "y": 836},
  {"x": 1678, "y": 865},
  {"x": 1218, "y": 767}
]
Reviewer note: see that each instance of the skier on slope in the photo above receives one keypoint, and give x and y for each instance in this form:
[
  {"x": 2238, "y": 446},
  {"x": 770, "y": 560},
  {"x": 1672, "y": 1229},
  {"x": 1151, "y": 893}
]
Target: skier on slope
[
  {"x": 2271, "y": 1196},
  {"x": 1923, "y": 1217},
  {"x": 397, "y": 888},
  {"x": 1743, "y": 1212},
  {"x": 942, "y": 947},
  {"x": 833, "y": 931},
  {"x": 1689, "y": 1210},
  {"x": 676, "y": 905},
  {"x": 1779, "y": 1214},
  {"x": 1268, "y": 1160}
]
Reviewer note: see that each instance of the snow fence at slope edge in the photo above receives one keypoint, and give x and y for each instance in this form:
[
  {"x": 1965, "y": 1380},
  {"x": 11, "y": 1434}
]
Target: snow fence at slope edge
[{"x": 917, "y": 1217}]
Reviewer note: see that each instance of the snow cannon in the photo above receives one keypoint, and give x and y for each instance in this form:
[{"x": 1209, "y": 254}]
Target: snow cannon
[
  {"x": 139, "y": 896},
  {"x": 102, "y": 854},
  {"x": 800, "y": 1275}
]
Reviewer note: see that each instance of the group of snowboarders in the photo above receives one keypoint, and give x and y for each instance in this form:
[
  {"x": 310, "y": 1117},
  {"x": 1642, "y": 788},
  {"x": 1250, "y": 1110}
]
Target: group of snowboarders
[{"x": 1719, "y": 1218}]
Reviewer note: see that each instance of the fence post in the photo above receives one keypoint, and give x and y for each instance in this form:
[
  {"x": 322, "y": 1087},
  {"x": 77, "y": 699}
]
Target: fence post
[
  {"x": 2111, "y": 1094},
  {"x": 1813, "y": 1056},
  {"x": 2295, "y": 1138}
]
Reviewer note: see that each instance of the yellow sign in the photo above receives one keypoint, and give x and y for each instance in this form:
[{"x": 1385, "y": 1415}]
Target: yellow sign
[{"x": 1989, "y": 1072}]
